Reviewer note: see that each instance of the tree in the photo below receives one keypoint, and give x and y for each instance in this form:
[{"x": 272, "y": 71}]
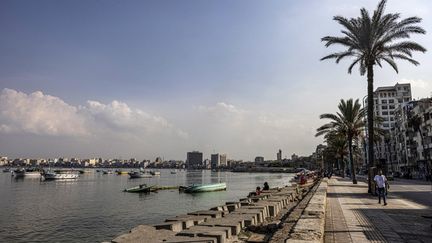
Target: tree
[
  {"x": 337, "y": 144},
  {"x": 348, "y": 122},
  {"x": 374, "y": 40}
]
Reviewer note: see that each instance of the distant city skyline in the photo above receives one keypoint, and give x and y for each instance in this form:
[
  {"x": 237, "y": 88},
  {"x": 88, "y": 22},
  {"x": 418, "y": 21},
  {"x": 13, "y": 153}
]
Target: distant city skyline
[{"x": 142, "y": 79}]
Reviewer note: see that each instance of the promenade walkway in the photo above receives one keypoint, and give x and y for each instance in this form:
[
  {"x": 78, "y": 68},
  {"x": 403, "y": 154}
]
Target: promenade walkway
[{"x": 352, "y": 215}]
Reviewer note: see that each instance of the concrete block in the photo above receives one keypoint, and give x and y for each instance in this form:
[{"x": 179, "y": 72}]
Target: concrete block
[
  {"x": 233, "y": 223},
  {"x": 196, "y": 218},
  {"x": 187, "y": 239},
  {"x": 220, "y": 236},
  {"x": 213, "y": 214},
  {"x": 175, "y": 226},
  {"x": 186, "y": 223},
  {"x": 207, "y": 228},
  {"x": 144, "y": 233}
]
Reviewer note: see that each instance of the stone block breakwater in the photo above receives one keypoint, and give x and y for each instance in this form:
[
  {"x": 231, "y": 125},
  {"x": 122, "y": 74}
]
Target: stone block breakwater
[{"x": 293, "y": 213}]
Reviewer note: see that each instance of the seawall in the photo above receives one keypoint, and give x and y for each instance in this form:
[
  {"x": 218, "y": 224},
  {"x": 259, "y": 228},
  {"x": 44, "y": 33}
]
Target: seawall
[{"x": 289, "y": 214}]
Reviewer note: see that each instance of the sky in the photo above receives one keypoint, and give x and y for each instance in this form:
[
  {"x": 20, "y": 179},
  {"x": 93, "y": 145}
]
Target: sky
[{"x": 141, "y": 79}]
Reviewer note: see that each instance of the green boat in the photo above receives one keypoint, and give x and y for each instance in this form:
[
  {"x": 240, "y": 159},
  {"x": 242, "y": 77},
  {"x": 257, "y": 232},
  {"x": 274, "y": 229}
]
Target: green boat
[
  {"x": 204, "y": 188},
  {"x": 141, "y": 188}
]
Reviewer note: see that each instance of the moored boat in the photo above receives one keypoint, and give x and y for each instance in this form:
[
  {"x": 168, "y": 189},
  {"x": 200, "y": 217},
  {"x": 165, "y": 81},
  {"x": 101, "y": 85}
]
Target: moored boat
[
  {"x": 138, "y": 174},
  {"x": 204, "y": 188},
  {"x": 6, "y": 170},
  {"x": 18, "y": 173},
  {"x": 60, "y": 175},
  {"x": 120, "y": 172},
  {"x": 141, "y": 188},
  {"x": 156, "y": 173}
]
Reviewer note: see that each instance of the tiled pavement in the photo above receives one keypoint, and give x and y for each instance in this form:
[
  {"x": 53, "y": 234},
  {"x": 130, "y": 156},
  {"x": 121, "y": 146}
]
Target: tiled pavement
[{"x": 352, "y": 215}]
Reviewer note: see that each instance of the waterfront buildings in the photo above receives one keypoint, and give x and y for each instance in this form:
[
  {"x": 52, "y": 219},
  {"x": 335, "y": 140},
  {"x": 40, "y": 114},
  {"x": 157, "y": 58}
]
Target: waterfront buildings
[
  {"x": 215, "y": 161},
  {"x": 410, "y": 140},
  {"x": 223, "y": 160},
  {"x": 218, "y": 160},
  {"x": 407, "y": 125},
  {"x": 194, "y": 159},
  {"x": 259, "y": 159},
  {"x": 279, "y": 155}
]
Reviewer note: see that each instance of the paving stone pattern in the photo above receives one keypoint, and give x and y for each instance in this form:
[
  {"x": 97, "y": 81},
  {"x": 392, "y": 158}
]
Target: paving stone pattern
[{"x": 352, "y": 215}]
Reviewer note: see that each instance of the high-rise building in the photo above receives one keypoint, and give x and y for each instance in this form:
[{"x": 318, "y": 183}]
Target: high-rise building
[
  {"x": 259, "y": 159},
  {"x": 194, "y": 159},
  {"x": 388, "y": 99},
  {"x": 215, "y": 161},
  {"x": 279, "y": 155},
  {"x": 223, "y": 160}
]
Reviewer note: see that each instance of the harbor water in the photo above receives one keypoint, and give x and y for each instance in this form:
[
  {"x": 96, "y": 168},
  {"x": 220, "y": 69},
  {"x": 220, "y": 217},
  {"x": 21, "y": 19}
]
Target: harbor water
[{"x": 94, "y": 207}]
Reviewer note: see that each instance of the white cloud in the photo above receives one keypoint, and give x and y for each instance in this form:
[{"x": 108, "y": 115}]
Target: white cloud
[
  {"x": 37, "y": 113},
  {"x": 243, "y": 133}
]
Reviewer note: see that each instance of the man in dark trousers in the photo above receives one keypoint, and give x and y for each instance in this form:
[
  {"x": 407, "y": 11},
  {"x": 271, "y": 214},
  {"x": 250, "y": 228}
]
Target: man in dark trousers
[{"x": 381, "y": 182}]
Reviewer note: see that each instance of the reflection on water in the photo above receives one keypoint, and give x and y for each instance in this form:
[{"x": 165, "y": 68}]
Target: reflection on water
[{"x": 94, "y": 207}]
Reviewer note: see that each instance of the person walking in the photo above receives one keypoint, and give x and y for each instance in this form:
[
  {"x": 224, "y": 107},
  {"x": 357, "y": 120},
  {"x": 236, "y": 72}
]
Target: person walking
[{"x": 381, "y": 182}]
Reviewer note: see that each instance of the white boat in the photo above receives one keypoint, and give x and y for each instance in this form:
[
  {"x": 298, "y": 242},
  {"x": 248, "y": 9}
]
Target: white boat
[
  {"x": 60, "y": 175},
  {"x": 138, "y": 174},
  {"x": 33, "y": 173},
  {"x": 155, "y": 173}
]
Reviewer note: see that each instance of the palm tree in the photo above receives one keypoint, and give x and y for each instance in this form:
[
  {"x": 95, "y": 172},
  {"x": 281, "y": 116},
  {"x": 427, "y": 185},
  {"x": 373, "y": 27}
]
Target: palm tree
[
  {"x": 348, "y": 122},
  {"x": 337, "y": 143},
  {"x": 373, "y": 40}
]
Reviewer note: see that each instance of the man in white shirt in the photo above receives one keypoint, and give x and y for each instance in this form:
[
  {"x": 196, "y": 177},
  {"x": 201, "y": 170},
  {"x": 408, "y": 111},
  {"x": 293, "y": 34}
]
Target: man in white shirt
[{"x": 381, "y": 181}]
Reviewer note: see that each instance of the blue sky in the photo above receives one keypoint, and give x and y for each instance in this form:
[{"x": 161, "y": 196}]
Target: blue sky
[{"x": 240, "y": 77}]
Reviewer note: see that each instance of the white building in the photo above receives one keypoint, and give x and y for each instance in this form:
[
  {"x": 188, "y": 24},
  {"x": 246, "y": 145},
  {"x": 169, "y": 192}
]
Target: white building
[{"x": 387, "y": 100}]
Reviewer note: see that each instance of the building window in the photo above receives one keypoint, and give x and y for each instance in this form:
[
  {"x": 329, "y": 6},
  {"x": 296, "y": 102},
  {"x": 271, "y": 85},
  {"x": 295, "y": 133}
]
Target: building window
[
  {"x": 385, "y": 125},
  {"x": 385, "y": 113},
  {"x": 406, "y": 99},
  {"x": 391, "y": 107},
  {"x": 384, "y": 102},
  {"x": 391, "y": 112},
  {"x": 391, "y": 101},
  {"x": 400, "y": 100},
  {"x": 384, "y": 107}
]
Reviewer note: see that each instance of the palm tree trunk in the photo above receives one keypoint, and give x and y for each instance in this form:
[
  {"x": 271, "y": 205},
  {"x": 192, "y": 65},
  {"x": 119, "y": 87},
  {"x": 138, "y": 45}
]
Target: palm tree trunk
[
  {"x": 353, "y": 176},
  {"x": 342, "y": 166},
  {"x": 370, "y": 125}
]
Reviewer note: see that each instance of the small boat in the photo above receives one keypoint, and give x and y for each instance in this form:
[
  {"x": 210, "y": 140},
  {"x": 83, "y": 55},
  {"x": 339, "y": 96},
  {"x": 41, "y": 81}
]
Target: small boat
[
  {"x": 33, "y": 173},
  {"x": 97, "y": 170},
  {"x": 138, "y": 174},
  {"x": 18, "y": 173},
  {"x": 141, "y": 188},
  {"x": 204, "y": 188},
  {"x": 155, "y": 173},
  {"x": 6, "y": 170},
  {"x": 105, "y": 172},
  {"x": 60, "y": 175},
  {"x": 120, "y": 172},
  {"x": 173, "y": 172}
]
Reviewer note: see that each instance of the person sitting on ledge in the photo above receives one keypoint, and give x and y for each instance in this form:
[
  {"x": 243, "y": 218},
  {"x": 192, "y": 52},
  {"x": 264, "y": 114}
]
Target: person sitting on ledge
[
  {"x": 258, "y": 191},
  {"x": 266, "y": 186}
]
